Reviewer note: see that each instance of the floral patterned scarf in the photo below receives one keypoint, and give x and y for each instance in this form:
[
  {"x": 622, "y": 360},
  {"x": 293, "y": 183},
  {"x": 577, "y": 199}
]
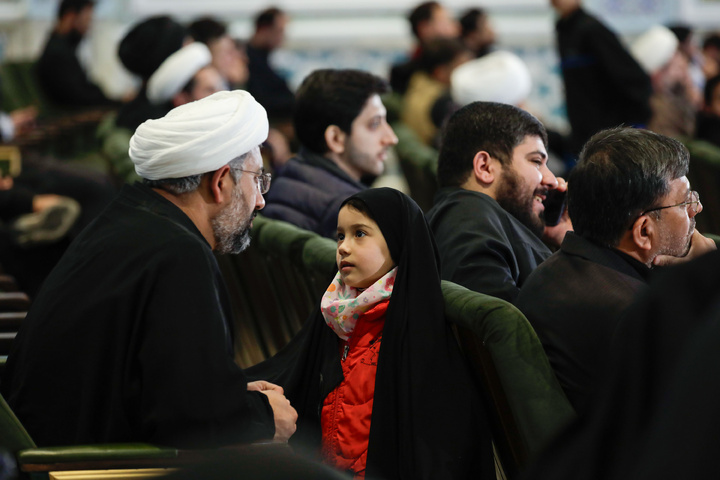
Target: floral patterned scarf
[{"x": 341, "y": 305}]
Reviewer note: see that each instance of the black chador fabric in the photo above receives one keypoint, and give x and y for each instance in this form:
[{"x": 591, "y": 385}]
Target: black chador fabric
[
  {"x": 427, "y": 420},
  {"x": 629, "y": 415},
  {"x": 129, "y": 339}
]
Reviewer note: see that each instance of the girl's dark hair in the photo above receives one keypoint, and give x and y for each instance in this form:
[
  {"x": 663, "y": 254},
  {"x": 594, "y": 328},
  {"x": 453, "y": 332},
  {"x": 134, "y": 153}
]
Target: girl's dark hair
[{"x": 360, "y": 206}]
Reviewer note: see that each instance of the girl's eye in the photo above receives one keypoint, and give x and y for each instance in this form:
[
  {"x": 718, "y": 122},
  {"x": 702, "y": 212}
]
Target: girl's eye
[
  {"x": 375, "y": 125},
  {"x": 360, "y": 233},
  {"x": 340, "y": 237}
]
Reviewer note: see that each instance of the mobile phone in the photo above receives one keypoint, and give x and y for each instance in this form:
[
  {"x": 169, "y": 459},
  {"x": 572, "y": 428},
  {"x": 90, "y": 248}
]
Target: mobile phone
[{"x": 555, "y": 203}]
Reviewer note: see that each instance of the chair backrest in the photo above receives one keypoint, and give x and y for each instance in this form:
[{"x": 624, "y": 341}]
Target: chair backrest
[
  {"x": 13, "y": 436},
  {"x": 527, "y": 404},
  {"x": 274, "y": 285},
  {"x": 419, "y": 165}
]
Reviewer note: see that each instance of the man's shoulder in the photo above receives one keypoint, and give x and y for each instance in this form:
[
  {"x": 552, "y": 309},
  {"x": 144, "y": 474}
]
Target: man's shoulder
[
  {"x": 581, "y": 271},
  {"x": 473, "y": 210},
  {"x": 144, "y": 220},
  {"x": 319, "y": 174}
]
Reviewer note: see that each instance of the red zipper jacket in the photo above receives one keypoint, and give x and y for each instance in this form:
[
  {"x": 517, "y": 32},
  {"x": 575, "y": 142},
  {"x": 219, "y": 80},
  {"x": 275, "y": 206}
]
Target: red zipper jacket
[{"x": 347, "y": 410}]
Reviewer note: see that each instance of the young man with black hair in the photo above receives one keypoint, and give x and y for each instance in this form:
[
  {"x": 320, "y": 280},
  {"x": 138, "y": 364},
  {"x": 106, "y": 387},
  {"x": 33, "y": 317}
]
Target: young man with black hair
[
  {"x": 488, "y": 215},
  {"x": 341, "y": 125},
  {"x": 632, "y": 207},
  {"x": 58, "y": 70}
]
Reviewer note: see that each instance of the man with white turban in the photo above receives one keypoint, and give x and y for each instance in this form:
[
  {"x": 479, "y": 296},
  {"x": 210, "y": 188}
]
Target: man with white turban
[
  {"x": 129, "y": 334},
  {"x": 675, "y": 98},
  {"x": 184, "y": 76}
]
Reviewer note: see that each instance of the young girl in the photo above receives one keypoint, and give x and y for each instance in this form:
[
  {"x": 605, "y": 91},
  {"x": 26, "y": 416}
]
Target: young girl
[{"x": 376, "y": 374}]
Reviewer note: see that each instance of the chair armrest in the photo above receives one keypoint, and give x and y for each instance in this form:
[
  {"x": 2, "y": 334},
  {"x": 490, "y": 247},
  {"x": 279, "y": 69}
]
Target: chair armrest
[{"x": 95, "y": 457}]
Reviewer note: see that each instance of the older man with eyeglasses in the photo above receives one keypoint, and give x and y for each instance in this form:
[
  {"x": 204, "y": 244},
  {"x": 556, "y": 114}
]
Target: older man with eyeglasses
[
  {"x": 632, "y": 210},
  {"x": 129, "y": 338}
]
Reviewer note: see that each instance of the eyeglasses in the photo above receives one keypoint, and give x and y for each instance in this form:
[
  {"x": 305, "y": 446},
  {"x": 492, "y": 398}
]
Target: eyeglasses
[
  {"x": 263, "y": 180},
  {"x": 692, "y": 204}
]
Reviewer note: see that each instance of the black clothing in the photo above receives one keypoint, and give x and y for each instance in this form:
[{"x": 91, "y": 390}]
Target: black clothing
[
  {"x": 62, "y": 77},
  {"x": 129, "y": 339},
  {"x": 268, "y": 88},
  {"x": 427, "y": 419},
  {"x": 646, "y": 380},
  {"x": 139, "y": 109},
  {"x": 708, "y": 128},
  {"x": 482, "y": 246},
  {"x": 574, "y": 301},
  {"x": 308, "y": 191},
  {"x": 15, "y": 202},
  {"x": 604, "y": 86},
  {"x": 149, "y": 43}
]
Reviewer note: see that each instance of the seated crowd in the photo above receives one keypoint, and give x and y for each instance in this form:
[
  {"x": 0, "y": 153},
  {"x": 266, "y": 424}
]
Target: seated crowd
[{"x": 131, "y": 327}]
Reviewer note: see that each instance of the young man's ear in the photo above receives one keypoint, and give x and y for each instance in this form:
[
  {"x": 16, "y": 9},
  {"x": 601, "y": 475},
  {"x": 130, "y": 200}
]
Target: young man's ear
[
  {"x": 335, "y": 139},
  {"x": 221, "y": 185},
  {"x": 643, "y": 232},
  {"x": 485, "y": 168}
]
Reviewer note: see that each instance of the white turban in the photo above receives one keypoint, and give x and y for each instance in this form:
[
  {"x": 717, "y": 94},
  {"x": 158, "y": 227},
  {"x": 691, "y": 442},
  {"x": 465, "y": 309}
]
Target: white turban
[
  {"x": 496, "y": 77},
  {"x": 199, "y": 137},
  {"x": 176, "y": 71},
  {"x": 654, "y": 48}
]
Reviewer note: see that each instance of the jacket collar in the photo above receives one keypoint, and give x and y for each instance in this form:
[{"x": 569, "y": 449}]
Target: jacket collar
[{"x": 574, "y": 244}]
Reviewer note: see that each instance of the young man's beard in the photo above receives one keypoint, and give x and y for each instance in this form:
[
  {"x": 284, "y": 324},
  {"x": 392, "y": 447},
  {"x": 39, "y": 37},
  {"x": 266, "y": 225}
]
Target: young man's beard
[
  {"x": 231, "y": 234},
  {"x": 512, "y": 196}
]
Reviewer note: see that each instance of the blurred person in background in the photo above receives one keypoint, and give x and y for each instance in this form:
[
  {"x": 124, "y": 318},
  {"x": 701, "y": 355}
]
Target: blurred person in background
[
  {"x": 265, "y": 83},
  {"x": 477, "y": 32},
  {"x": 58, "y": 70},
  {"x": 428, "y": 21},
  {"x": 604, "y": 85}
]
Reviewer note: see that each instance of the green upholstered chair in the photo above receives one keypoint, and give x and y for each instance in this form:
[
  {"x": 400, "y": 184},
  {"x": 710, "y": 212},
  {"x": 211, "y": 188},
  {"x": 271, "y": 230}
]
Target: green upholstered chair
[
  {"x": 274, "y": 285},
  {"x": 527, "y": 404},
  {"x": 37, "y": 462},
  {"x": 114, "y": 144},
  {"x": 419, "y": 165},
  {"x": 704, "y": 176}
]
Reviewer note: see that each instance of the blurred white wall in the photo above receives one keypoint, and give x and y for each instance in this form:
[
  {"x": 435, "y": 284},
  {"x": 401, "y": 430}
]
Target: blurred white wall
[{"x": 369, "y": 35}]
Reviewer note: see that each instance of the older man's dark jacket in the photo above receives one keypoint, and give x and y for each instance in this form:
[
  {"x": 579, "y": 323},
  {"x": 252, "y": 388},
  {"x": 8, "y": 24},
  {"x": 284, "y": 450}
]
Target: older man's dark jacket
[{"x": 574, "y": 301}]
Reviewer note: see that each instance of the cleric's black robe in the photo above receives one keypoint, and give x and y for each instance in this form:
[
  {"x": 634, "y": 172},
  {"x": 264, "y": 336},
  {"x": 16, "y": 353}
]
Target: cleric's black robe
[{"x": 129, "y": 339}]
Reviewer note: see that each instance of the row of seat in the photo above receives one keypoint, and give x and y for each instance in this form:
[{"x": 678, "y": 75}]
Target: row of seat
[
  {"x": 14, "y": 305},
  {"x": 288, "y": 269},
  {"x": 274, "y": 286}
]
